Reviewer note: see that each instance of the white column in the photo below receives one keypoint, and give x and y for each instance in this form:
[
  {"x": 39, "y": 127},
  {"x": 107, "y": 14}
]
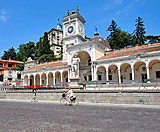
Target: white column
[
  {"x": 61, "y": 77},
  {"x": 34, "y": 80},
  {"x": 69, "y": 75},
  {"x": 46, "y": 79},
  {"x": 87, "y": 78},
  {"x": 29, "y": 81},
  {"x": 119, "y": 74},
  {"x": 148, "y": 75},
  {"x": 95, "y": 75},
  {"x": 40, "y": 79},
  {"x": 92, "y": 72},
  {"x": 93, "y": 54},
  {"x": 24, "y": 81},
  {"x": 106, "y": 75},
  {"x": 132, "y": 73},
  {"x": 54, "y": 79}
]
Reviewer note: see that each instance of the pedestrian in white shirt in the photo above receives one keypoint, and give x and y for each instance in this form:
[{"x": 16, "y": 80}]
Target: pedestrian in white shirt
[{"x": 70, "y": 94}]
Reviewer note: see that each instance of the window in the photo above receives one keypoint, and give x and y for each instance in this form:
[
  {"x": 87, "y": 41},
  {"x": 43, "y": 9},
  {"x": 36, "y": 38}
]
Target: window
[
  {"x": 9, "y": 79},
  {"x": 1, "y": 64},
  {"x": 130, "y": 76},
  {"x": 157, "y": 74},
  {"x": 19, "y": 76},
  {"x": 110, "y": 77},
  {"x": 57, "y": 33},
  {"x": 57, "y": 41},
  {"x": 1, "y": 78},
  {"x": 66, "y": 79},
  {"x": 99, "y": 77},
  {"x": 10, "y": 72},
  {"x": 90, "y": 77},
  {"x": 9, "y": 65}
]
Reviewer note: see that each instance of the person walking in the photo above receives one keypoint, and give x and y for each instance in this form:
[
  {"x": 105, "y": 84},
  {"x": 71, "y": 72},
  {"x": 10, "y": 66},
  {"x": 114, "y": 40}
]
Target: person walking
[{"x": 35, "y": 92}]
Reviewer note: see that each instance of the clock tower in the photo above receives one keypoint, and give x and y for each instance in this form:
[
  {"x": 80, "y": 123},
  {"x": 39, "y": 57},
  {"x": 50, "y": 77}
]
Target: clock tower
[{"x": 73, "y": 31}]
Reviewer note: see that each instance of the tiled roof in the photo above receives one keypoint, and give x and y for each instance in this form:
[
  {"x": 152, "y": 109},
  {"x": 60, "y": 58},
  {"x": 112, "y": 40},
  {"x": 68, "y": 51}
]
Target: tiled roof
[
  {"x": 12, "y": 61},
  {"x": 132, "y": 50},
  {"x": 47, "y": 66},
  {"x": 47, "y": 63}
]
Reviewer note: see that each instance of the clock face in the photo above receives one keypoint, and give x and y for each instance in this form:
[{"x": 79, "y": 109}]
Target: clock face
[{"x": 70, "y": 29}]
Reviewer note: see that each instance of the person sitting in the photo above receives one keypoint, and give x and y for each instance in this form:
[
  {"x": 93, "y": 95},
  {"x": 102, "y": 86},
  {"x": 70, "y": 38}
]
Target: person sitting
[{"x": 70, "y": 94}]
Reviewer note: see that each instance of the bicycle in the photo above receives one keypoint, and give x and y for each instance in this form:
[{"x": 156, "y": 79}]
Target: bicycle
[{"x": 65, "y": 100}]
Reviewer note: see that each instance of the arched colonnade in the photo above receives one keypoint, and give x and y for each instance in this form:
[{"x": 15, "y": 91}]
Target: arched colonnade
[
  {"x": 137, "y": 70},
  {"x": 48, "y": 78}
]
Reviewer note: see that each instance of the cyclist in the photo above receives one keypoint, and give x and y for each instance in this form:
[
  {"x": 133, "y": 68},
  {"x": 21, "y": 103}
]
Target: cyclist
[{"x": 70, "y": 94}]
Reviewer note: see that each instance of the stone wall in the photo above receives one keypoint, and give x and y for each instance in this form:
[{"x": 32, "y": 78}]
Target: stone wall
[{"x": 96, "y": 96}]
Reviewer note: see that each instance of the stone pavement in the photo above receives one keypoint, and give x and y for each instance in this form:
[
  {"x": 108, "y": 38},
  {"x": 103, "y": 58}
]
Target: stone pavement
[{"x": 49, "y": 116}]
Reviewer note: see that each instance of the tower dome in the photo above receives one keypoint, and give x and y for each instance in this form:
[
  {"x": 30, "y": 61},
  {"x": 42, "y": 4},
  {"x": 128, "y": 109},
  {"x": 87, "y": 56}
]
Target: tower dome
[{"x": 96, "y": 34}]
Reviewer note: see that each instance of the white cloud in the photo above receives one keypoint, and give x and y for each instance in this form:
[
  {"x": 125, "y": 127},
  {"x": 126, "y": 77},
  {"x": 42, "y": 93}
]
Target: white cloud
[
  {"x": 112, "y": 4},
  {"x": 118, "y": 2},
  {"x": 118, "y": 12},
  {"x": 3, "y": 18},
  {"x": 143, "y": 2},
  {"x": 3, "y": 11}
]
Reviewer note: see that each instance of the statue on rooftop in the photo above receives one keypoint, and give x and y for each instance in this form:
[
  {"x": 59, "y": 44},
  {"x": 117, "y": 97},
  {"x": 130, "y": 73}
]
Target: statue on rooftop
[
  {"x": 78, "y": 9},
  {"x": 68, "y": 12}
]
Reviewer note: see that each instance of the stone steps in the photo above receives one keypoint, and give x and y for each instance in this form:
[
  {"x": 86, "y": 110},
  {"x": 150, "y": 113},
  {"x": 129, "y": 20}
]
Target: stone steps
[{"x": 2, "y": 95}]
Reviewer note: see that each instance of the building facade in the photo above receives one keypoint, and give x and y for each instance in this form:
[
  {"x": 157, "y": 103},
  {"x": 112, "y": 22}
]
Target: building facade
[
  {"x": 8, "y": 74},
  {"x": 94, "y": 60}
]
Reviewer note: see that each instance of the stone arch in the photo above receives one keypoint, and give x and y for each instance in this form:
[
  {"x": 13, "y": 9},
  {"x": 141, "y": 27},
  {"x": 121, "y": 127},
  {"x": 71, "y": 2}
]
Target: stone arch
[
  {"x": 37, "y": 81},
  {"x": 44, "y": 79},
  {"x": 101, "y": 73},
  {"x": 65, "y": 76},
  {"x": 113, "y": 72},
  {"x": 50, "y": 78},
  {"x": 87, "y": 51},
  {"x": 154, "y": 69},
  {"x": 84, "y": 68},
  {"x": 57, "y": 76},
  {"x": 31, "y": 80},
  {"x": 26, "y": 80},
  {"x": 140, "y": 70},
  {"x": 126, "y": 71}
]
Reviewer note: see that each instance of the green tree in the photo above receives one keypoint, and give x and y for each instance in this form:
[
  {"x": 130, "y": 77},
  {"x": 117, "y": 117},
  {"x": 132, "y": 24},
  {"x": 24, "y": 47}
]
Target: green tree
[
  {"x": 25, "y": 51},
  {"x": 21, "y": 55},
  {"x": 11, "y": 53},
  {"x": 139, "y": 33},
  {"x": 19, "y": 67},
  {"x": 39, "y": 51},
  {"x": 43, "y": 45},
  {"x": 118, "y": 38},
  {"x": 43, "y": 51},
  {"x": 153, "y": 39}
]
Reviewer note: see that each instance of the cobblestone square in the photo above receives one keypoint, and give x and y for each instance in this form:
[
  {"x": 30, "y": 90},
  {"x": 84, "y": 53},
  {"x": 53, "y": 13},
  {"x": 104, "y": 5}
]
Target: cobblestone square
[{"x": 25, "y": 116}]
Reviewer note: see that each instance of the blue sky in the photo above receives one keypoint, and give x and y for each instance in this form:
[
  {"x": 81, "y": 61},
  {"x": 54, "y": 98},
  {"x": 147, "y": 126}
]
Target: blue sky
[{"x": 22, "y": 21}]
